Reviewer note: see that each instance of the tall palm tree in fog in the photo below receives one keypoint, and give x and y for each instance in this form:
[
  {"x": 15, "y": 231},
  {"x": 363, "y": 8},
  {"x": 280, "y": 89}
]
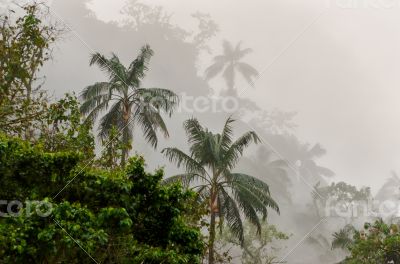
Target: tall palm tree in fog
[
  {"x": 230, "y": 64},
  {"x": 307, "y": 165},
  {"x": 209, "y": 167},
  {"x": 126, "y": 103}
]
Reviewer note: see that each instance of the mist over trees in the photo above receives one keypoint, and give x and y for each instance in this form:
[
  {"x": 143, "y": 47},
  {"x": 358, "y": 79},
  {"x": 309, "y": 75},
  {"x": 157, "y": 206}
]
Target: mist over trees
[{"x": 232, "y": 185}]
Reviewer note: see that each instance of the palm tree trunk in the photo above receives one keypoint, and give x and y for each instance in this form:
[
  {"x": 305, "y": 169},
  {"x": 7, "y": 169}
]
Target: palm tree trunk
[
  {"x": 125, "y": 135},
  {"x": 211, "y": 239},
  {"x": 125, "y": 149},
  {"x": 125, "y": 141},
  {"x": 213, "y": 196}
]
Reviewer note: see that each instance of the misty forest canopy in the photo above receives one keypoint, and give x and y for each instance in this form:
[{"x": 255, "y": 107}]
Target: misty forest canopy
[{"x": 74, "y": 192}]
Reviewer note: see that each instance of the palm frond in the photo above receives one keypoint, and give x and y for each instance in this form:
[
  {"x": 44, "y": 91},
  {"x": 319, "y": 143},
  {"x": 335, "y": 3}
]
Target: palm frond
[
  {"x": 248, "y": 72},
  {"x": 112, "y": 66},
  {"x": 119, "y": 76},
  {"x": 226, "y": 135},
  {"x": 88, "y": 105},
  {"x": 185, "y": 179},
  {"x": 230, "y": 212},
  {"x": 163, "y": 99},
  {"x": 248, "y": 180},
  {"x": 256, "y": 186},
  {"x": 145, "y": 118},
  {"x": 94, "y": 106},
  {"x": 194, "y": 131},
  {"x": 112, "y": 119},
  {"x": 249, "y": 203},
  {"x": 158, "y": 121},
  {"x": 100, "y": 60},
  {"x": 139, "y": 66},
  {"x": 252, "y": 198},
  {"x": 149, "y": 102},
  {"x": 99, "y": 88},
  {"x": 236, "y": 149},
  {"x": 241, "y": 53},
  {"x": 214, "y": 69},
  {"x": 180, "y": 158}
]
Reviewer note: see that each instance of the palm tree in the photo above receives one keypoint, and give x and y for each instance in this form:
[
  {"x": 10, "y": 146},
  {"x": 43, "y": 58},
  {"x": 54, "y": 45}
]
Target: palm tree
[
  {"x": 131, "y": 105},
  {"x": 307, "y": 165},
  {"x": 209, "y": 167},
  {"x": 229, "y": 63}
]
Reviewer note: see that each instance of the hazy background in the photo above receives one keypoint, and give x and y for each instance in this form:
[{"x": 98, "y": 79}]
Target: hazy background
[{"x": 336, "y": 67}]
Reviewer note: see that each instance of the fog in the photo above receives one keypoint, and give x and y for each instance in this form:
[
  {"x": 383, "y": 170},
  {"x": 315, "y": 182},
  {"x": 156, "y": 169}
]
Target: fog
[
  {"x": 338, "y": 74},
  {"x": 328, "y": 87}
]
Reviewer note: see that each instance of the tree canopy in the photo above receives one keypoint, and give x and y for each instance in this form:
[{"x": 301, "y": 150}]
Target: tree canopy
[{"x": 115, "y": 217}]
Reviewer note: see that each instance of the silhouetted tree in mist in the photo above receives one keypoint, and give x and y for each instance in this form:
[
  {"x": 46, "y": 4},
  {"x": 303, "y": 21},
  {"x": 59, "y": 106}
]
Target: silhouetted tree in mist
[{"x": 230, "y": 63}]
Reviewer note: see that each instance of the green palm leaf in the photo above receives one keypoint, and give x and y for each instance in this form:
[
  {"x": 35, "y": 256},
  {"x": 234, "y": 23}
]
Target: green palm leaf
[
  {"x": 236, "y": 149},
  {"x": 182, "y": 159},
  {"x": 230, "y": 212}
]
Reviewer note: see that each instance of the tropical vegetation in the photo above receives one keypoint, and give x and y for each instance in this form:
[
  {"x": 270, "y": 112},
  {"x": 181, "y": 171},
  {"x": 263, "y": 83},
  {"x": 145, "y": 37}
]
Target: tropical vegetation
[
  {"x": 126, "y": 102},
  {"x": 209, "y": 166},
  {"x": 107, "y": 217},
  {"x": 73, "y": 192},
  {"x": 377, "y": 242}
]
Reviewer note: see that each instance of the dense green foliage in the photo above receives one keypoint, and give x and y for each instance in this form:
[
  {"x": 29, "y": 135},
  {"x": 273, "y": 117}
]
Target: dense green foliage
[
  {"x": 116, "y": 217},
  {"x": 377, "y": 243}
]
